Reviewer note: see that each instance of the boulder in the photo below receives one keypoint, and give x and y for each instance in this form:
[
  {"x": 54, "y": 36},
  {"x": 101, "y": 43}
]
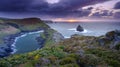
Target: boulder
[
  {"x": 79, "y": 28},
  {"x": 112, "y": 39}
]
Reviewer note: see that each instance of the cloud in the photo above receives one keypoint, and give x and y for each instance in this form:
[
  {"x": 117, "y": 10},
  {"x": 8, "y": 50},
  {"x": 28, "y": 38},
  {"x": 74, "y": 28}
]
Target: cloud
[
  {"x": 14, "y": 5},
  {"x": 61, "y": 9},
  {"x": 117, "y": 5},
  {"x": 117, "y": 15},
  {"x": 101, "y": 13}
]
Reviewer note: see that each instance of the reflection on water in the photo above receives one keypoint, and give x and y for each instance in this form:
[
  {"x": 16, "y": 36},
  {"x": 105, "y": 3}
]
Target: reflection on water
[{"x": 90, "y": 29}]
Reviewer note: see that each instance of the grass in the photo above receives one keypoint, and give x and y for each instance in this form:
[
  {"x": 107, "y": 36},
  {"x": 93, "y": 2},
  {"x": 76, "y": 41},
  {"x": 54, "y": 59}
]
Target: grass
[
  {"x": 18, "y": 25},
  {"x": 78, "y": 51},
  {"x": 68, "y": 53}
]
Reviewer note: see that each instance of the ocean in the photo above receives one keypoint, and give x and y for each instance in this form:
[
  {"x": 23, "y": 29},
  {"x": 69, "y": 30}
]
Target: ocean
[{"x": 90, "y": 28}]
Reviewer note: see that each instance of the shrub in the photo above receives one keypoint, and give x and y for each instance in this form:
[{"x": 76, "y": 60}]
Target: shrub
[
  {"x": 117, "y": 47},
  {"x": 37, "y": 57},
  {"x": 70, "y": 65},
  {"x": 67, "y": 60}
]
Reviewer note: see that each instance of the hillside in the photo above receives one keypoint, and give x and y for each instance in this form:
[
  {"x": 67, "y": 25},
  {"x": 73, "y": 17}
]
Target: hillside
[
  {"x": 77, "y": 51},
  {"x": 12, "y": 28}
]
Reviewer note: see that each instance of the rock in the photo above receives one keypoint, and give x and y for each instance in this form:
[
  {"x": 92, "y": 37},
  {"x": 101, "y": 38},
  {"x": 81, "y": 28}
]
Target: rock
[
  {"x": 41, "y": 41},
  {"x": 3, "y": 52},
  {"x": 57, "y": 37},
  {"x": 79, "y": 28},
  {"x": 112, "y": 39}
]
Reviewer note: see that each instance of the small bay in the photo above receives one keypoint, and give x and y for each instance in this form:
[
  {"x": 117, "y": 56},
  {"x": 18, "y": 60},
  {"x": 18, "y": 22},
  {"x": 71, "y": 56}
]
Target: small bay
[{"x": 26, "y": 42}]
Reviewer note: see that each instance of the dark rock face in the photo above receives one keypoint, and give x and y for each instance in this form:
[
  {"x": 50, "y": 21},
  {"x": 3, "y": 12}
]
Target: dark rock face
[
  {"x": 79, "y": 28},
  {"x": 5, "y": 51},
  {"x": 41, "y": 41},
  {"x": 111, "y": 38}
]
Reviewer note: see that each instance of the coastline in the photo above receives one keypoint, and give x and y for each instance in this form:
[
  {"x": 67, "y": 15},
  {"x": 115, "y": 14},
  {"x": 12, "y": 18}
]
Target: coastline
[
  {"x": 23, "y": 35},
  {"x": 10, "y": 41}
]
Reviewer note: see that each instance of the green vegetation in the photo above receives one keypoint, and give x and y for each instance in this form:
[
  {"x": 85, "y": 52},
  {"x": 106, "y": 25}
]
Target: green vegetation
[
  {"x": 73, "y": 52},
  {"x": 28, "y": 24},
  {"x": 78, "y": 51},
  {"x": 117, "y": 47},
  {"x": 14, "y": 26},
  {"x": 48, "y": 36}
]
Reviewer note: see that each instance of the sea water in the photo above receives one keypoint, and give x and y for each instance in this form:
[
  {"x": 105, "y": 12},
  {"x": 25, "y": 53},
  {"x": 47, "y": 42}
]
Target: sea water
[{"x": 90, "y": 28}]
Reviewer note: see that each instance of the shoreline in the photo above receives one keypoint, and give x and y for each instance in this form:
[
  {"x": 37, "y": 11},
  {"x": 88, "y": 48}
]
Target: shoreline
[
  {"x": 23, "y": 35},
  {"x": 9, "y": 42}
]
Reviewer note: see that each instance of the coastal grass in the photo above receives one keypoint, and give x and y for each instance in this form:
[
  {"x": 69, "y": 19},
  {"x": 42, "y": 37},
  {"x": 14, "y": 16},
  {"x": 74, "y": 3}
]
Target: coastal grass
[
  {"x": 28, "y": 24},
  {"x": 73, "y": 52},
  {"x": 77, "y": 51},
  {"x": 13, "y": 26}
]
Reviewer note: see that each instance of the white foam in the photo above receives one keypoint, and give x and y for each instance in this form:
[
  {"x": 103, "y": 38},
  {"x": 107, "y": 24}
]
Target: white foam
[
  {"x": 13, "y": 45},
  {"x": 85, "y": 30},
  {"x": 66, "y": 37},
  {"x": 72, "y": 29}
]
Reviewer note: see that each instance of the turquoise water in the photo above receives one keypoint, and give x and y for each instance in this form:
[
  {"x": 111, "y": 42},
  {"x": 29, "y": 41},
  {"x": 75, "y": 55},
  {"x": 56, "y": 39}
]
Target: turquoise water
[{"x": 26, "y": 43}]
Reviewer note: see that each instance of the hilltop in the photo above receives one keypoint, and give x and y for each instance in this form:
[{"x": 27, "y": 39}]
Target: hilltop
[{"x": 12, "y": 28}]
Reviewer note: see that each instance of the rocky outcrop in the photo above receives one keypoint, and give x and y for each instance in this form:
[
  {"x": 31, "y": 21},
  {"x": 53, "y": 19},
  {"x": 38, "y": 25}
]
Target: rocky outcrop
[
  {"x": 41, "y": 41},
  {"x": 5, "y": 51},
  {"x": 79, "y": 28},
  {"x": 50, "y": 36},
  {"x": 111, "y": 39},
  {"x": 57, "y": 37}
]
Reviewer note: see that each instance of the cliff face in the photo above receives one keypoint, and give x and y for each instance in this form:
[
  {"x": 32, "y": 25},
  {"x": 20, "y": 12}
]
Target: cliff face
[
  {"x": 50, "y": 36},
  {"x": 111, "y": 39},
  {"x": 11, "y": 28},
  {"x": 77, "y": 51}
]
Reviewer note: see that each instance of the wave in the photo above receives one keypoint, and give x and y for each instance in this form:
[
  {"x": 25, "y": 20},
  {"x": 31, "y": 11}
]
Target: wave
[
  {"x": 16, "y": 39},
  {"x": 85, "y": 30},
  {"x": 66, "y": 37}
]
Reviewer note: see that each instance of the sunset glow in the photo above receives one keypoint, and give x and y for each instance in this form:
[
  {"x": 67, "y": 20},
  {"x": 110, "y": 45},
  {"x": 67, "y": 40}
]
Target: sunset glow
[
  {"x": 72, "y": 20},
  {"x": 66, "y": 20},
  {"x": 81, "y": 20}
]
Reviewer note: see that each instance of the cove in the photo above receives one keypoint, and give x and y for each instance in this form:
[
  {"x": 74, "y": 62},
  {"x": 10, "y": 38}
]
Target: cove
[{"x": 26, "y": 43}]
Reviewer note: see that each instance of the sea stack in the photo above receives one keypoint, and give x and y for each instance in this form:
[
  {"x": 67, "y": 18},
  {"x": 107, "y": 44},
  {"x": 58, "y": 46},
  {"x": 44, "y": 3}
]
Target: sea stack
[{"x": 79, "y": 28}]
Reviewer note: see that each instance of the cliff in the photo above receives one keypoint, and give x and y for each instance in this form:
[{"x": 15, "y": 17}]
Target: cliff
[
  {"x": 12, "y": 28},
  {"x": 77, "y": 51}
]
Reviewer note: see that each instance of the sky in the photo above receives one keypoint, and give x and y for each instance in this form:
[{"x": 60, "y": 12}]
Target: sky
[{"x": 61, "y": 9}]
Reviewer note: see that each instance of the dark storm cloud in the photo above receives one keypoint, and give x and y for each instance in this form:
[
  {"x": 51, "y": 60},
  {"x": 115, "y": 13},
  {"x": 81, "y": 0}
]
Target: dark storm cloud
[
  {"x": 63, "y": 8},
  {"x": 14, "y": 5},
  {"x": 117, "y": 5},
  {"x": 21, "y": 5}
]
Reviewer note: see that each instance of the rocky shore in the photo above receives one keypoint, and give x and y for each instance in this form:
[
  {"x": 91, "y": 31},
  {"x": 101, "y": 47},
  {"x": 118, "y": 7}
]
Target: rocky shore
[{"x": 9, "y": 42}]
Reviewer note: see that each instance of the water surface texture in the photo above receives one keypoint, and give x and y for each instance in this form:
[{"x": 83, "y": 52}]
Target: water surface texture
[
  {"x": 90, "y": 28},
  {"x": 26, "y": 43}
]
